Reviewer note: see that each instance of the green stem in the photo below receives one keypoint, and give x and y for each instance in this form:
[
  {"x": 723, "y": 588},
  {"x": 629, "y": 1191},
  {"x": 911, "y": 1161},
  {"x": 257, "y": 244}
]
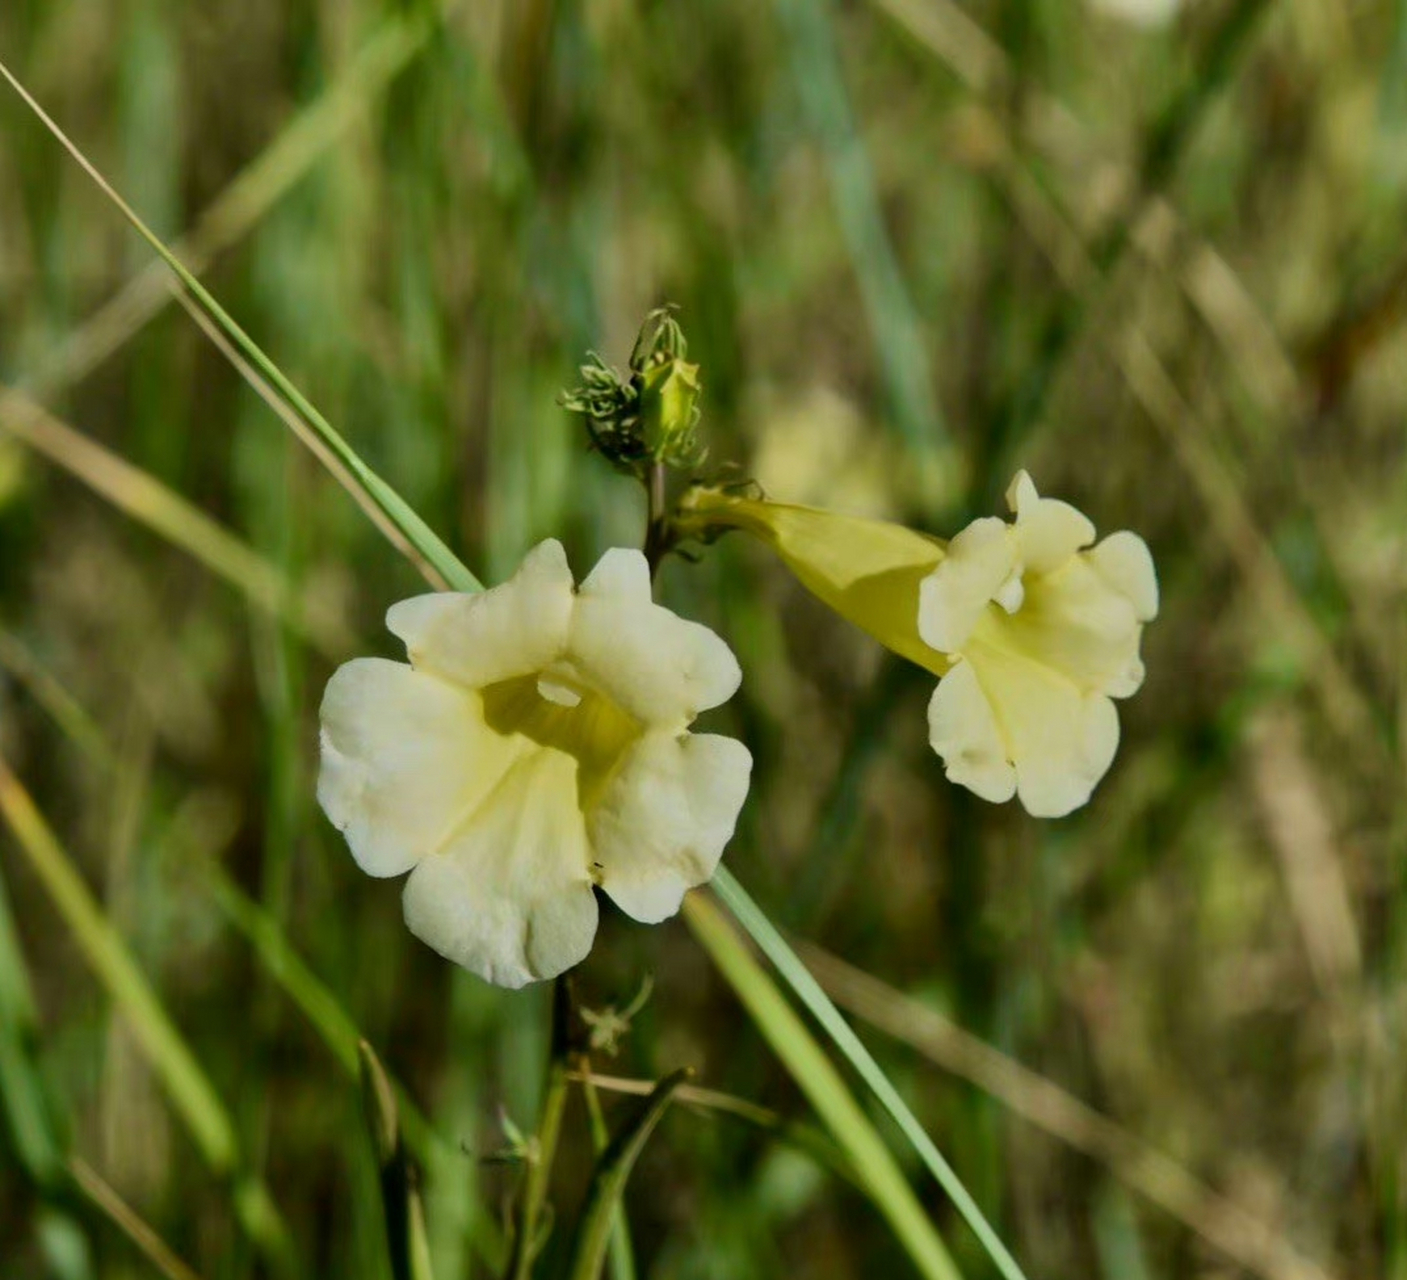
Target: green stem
[{"x": 657, "y": 531}]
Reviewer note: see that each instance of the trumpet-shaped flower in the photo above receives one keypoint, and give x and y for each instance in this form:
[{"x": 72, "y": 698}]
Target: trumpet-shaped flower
[
  {"x": 1041, "y": 634},
  {"x": 1031, "y": 629},
  {"x": 535, "y": 746}
]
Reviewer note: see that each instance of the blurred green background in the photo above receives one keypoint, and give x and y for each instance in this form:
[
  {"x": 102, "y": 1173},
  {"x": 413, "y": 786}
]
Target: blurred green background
[{"x": 1153, "y": 253}]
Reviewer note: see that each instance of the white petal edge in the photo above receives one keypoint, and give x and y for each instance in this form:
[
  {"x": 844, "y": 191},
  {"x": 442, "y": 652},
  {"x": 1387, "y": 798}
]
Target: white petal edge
[
  {"x": 1125, "y": 563},
  {"x": 1048, "y": 531},
  {"x": 963, "y": 730},
  {"x": 1060, "y": 739},
  {"x": 510, "y": 630},
  {"x": 662, "y": 826},
  {"x": 621, "y": 573},
  {"x": 656, "y": 666},
  {"x": 510, "y": 896},
  {"x": 1053, "y": 786},
  {"x": 404, "y": 754},
  {"x": 979, "y": 562}
]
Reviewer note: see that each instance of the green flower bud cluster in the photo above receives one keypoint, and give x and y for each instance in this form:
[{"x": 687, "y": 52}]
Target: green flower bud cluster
[{"x": 650, "y": 417}]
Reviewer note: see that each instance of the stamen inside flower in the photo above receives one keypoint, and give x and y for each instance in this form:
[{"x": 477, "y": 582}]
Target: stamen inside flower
[
  {"x": 1012, "y": 593},
  {"x": 556, "y": 691}
]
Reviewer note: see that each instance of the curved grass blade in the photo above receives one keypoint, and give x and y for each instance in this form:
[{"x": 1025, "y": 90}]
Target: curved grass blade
[
  {"x": 612, "y": 1172},
  {"x": 809, "y": 991},
  {"x": 820, "y": 1081},
  {"x": 352, "y": 470}
]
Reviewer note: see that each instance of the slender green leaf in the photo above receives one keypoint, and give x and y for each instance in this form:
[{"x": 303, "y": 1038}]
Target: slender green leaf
[
  {"x": 332, "y": 1023},
  {"x": 622, "y": 1255},
  {"x": 821, "y": 1083},
  {"x": 337, "y": 1030},
  {"x": 186, "y": 1084},
  {"x": 33, "y": 1132},
  {"x": 339, "y": 455},
  {"x": 603, "y": 1200},
  {"x": 809, "y": 991},
  {"x": 145, "y": 499}
]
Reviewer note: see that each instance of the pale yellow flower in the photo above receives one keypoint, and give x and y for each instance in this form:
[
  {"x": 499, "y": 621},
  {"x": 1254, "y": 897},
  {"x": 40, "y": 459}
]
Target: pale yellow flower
[
  {"x": 1030, "y": 633},
  {"x": 535, "y": 746},
  {"x": 1041, "y": 635}
]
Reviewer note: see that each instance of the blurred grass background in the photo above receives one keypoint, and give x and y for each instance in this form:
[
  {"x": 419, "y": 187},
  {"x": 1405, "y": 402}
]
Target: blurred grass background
[{"x": 915, "y": 245}]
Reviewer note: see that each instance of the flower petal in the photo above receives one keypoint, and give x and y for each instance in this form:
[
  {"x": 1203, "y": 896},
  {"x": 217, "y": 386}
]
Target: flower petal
[
  {"x": 510, "y": 897},
  {"x": 1124, "y": 562},
  {"x": 979, "y": 562},
  {"x": 661, "y": 826},
  {"x": 1048, "y": 531},
  {"x": 1075, "y": 622},
  {"x": 476, "y": 640},
  {"x": 403, "y": 755},
  {"x": 1060, "y": 739},
  {"x": 964, "y": 731},
  {"x": 656, "y": 666}
]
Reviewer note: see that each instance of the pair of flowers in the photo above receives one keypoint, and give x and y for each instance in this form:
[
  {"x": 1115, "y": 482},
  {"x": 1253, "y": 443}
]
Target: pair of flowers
[{"x": 537, "y": 744}]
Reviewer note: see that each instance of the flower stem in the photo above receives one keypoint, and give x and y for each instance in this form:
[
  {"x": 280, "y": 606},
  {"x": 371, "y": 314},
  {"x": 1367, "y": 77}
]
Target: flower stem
[{"x": 657, "y": 531}]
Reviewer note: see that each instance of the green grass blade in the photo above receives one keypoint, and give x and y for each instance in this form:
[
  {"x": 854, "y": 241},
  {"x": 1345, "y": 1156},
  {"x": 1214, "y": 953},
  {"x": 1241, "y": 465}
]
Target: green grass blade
[
  {"x": 117, "y": 1211},
  {"x": 186, "y": 1084},
  {"x": 34, "y": 1135},
  {"x": 353, "y": 471},
  {"x": 621, "y": 1255},
  {"x": 821, "y": 1082},
  {"x": 270, "y": 944},
  {"x": 192, "y": 1095},
  {"x": 254, "y": 191},
  {"x": 406, "y": 1244},
  {"x": 809, "y": 991},
  {"x": 900, "y": 344},
  {"x": 339, "y": 1032},
  {"x": 163, "y": 511},
  {"x": 603, "y": 1200}
]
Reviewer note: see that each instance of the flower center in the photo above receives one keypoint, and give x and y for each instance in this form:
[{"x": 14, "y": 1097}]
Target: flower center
[{"x": 559, "y": 711}]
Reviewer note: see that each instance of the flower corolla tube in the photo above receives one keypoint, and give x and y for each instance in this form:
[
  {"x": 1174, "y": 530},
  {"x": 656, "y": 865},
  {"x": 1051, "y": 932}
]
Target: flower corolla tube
[
  {"x": 1031, "y": 625},
  {"x": 536, "y": 745}
]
